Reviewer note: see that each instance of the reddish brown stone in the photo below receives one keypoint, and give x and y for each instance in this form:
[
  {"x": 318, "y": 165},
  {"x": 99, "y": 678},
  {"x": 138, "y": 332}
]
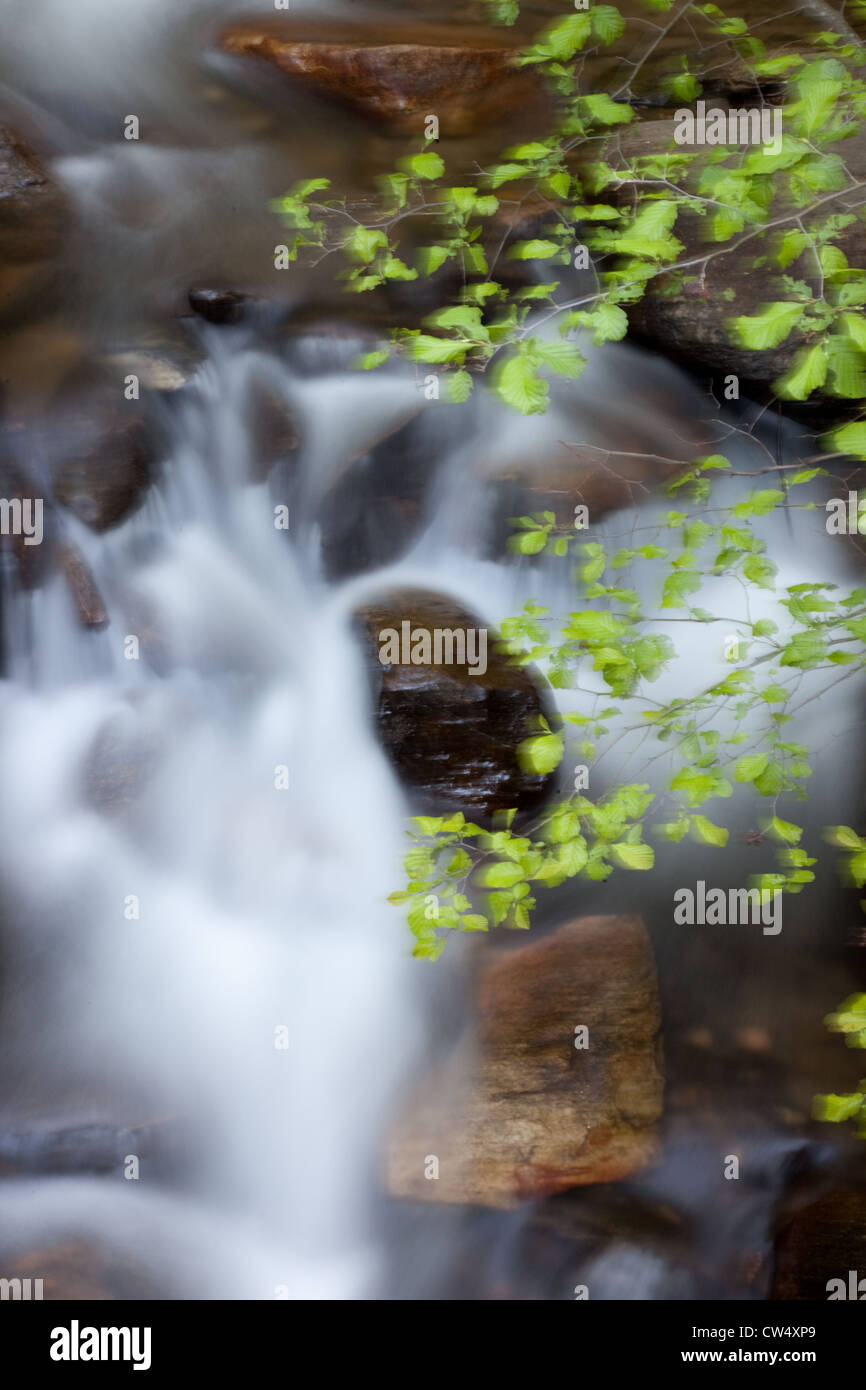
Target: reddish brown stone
[
  {"x": 395, "y": 74},
  {"x": 525, "y": 1114}
]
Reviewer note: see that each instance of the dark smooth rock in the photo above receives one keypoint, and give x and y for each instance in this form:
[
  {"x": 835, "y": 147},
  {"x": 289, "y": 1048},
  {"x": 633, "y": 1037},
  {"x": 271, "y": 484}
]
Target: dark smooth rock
[
  {"x": 102, "y": 450},
  {"x": 375, "y": 510},
  {"x": 218, "y": 305},
  {"x": 451, "y": 736}
]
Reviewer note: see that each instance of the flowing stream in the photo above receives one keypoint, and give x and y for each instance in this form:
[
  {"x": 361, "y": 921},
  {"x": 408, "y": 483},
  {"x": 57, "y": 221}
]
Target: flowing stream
[{"x": 216, "y": 957}]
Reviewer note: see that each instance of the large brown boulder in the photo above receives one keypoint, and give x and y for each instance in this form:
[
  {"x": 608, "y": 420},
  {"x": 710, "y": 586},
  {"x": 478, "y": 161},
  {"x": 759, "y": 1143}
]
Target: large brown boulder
[
  {"x": 395, "y": 74},
  {"x": 525, "y": 1113},
  {"x": 32, "y": 215},
  {"x": 31, "y": 205},
  {"x": 823, "y": 1242},
  {"x": 689, "y": 316},
  {"x": 451, "y": 735}
]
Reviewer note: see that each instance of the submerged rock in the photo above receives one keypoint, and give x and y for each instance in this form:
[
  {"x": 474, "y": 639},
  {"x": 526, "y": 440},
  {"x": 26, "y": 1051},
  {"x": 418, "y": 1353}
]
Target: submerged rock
[
  {"x": 451, "y": 735},
  {"x": 102, "y": 452},
  {"x": 162, "y": 359},
  {"x": 83, "y": 1148},
  {"x": 376, "y": 507},
  {"x": 32, "y": 207},
  {"x": 395, "y": 74},
  {"x": 33, "y": 212},
  {"x": 83, "y": 588},
  {"x": 522, "y": 1112}
]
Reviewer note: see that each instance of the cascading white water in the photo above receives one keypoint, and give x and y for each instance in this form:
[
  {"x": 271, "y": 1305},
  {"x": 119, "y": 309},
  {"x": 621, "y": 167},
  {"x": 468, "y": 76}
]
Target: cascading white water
[{"x": 257, "y": 909}]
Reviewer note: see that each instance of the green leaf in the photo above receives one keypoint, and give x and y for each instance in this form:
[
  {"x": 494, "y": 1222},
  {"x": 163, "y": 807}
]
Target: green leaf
[
  {"x": 500, "y": 875},
  {"x": 422, "y": 347},
  {"x": 518, "y": 383},
  {"x": 760, "y": 570},
  {"x": 748, "y": 769},
  {"x": 563, "y": 358},
  {"x": 807, "y": 373},
  {"x": 628, "y": 856},
  {"x": 535, "y": 250},
  {"x": 768, "y": 328},
  {"x": 706, "y": 832},
  {"x": 850, "y": 439},
  {"x": 844, "y": 837},
  {"x": 473, "y": 921},
  {"x": 682, "y": 86},
  {"x": 608, "y": 322},
  {"x": 834, "y": 1108},
  {"x": 428, "y": 825},
  {"x": 427, "y": 165},
  {"x": 430, "y": 258},
  {"x": 593, "y": 627},
  {"x": 607, "y": 23},
  {"x": 678, "y": 586},
  {"x": 305, "y": 187},
  {"x": 363, "y": 244},
  {"x": 563, "y": 39},
  {"x": 529, "y": 542},
  {"x": 602, "y": 110},
  {"x": 847, "y": 367},
  {"x": 369, "y": 360},
  {"x": 459, "y": 385},
  {"x": 540, "y": 754},
  {"x": 783, "y": 830},
  {"x": 806, "y": 649}
]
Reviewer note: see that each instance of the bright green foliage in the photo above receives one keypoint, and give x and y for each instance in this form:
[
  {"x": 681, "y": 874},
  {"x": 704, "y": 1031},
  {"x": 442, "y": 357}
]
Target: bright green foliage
[
  {"x": 850, "y": 1020},
  {"x": 783, "y": 211},
  {"x": 729, "y": 736}
]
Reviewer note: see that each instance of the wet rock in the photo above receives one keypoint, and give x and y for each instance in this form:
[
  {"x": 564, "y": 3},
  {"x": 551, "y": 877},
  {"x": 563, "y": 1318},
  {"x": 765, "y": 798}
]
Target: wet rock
[
  {"x": 34, "y": 359},
  {"x": 162, "y": 361},
  {"x": 376, "y": 507},
  {"x": 79, "y": 1271},
  {"x": 86, "y": 1148},
  {"x": 453, "y": 736},
  {"x": 273, "y": 433},
  {"x": 33, "y": 212},
  {"x": 823, "y": 1242},
  {"x": 396, "y": 74},
  {"x": 689, "y": 317},
  {"x": 594, "y": 454},
  {"x": 82, "y": 586},
  {"x": 218, "y": 305},
  {"x": 102, "y": 452},
  {"x": 315, "y": 346},
  {"x": 523, "y": 1113},
  {"x": 32, "y": 207}
]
